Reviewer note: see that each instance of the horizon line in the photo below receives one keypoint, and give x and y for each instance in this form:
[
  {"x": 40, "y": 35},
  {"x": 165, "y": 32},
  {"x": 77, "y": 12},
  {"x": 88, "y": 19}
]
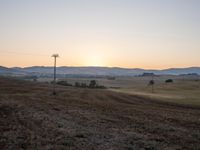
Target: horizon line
[{"x": 107, "y": 67}]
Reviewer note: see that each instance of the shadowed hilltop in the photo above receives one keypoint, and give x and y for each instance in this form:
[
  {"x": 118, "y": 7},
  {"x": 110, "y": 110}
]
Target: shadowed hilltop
[{"x": 97, "y": 71}]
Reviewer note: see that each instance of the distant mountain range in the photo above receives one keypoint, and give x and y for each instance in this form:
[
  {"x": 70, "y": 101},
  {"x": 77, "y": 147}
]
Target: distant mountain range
[{"x": 95, "y": 71}]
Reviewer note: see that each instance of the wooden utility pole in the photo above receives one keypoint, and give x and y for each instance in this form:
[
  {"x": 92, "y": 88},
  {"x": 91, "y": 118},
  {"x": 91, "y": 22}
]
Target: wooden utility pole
[
  {"x": 54, "y": 77},
  {"x": 152, "y": 90}
]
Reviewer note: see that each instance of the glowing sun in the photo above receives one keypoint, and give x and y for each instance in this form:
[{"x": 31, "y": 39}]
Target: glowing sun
[{"x": 94, "y": 59}]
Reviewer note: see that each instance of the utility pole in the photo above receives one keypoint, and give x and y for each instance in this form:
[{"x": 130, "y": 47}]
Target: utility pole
[
  {"x": 153, "y": 82},
  {"x": 54, "y": 77}
]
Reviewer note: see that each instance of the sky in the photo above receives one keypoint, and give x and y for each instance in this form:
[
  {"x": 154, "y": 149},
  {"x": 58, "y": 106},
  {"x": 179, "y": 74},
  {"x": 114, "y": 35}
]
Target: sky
[{"x": 150, "y": 34}]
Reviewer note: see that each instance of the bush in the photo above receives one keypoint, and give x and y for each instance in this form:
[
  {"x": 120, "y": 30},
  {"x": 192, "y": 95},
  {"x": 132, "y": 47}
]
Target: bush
[
  {"x": 92, "y": 84},
  {"x": 151, "y": 82},
  {"x": 77, "y": 84},
  {"x": 169, "y": 81},
  {"x": 65, "y": 83}
]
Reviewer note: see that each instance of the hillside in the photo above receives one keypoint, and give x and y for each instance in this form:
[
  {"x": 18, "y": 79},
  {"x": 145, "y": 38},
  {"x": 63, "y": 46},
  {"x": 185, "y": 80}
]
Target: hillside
[
  {"x": 32, "y": 118},
  {"x": 5, "y": 70},
  {"x": 95, "y": 71}
]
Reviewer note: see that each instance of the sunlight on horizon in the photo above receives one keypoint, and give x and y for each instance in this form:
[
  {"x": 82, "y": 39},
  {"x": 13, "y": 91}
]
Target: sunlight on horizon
[
  {"x": 94, "y": 59},
  {"x": 130, "y": 34}
]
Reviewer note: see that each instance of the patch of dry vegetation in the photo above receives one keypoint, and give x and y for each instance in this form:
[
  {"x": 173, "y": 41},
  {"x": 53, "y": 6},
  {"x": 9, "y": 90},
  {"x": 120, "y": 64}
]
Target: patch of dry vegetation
[{"x": 32, "y": 118}]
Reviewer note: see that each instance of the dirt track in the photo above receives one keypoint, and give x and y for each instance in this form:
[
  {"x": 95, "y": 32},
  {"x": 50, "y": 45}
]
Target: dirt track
[{"x": 32, "y": 118}]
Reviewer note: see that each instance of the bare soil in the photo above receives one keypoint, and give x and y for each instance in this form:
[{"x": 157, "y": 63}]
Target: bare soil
[{"x": 32, "y": 118}]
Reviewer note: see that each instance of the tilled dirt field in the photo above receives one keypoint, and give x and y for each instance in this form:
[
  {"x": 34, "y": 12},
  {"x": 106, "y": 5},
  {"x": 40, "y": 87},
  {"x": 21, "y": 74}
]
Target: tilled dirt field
[{"x": 32, "y": 118}]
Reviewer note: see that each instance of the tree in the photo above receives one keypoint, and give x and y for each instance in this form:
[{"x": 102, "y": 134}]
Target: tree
[
  {"x": 92, "y": 84},
  {"x": 151, "y": 83},
  {"x": 77, "y": 84}
]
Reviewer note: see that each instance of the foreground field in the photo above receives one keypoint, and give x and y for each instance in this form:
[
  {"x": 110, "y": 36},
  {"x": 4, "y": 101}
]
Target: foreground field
[{"x": 32, "y": 118}]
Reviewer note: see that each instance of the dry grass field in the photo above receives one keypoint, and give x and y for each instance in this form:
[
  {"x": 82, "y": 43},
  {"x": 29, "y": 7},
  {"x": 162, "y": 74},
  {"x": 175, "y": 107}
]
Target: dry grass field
[
  {"x": 184, "y": 90},
  {"x": 32, "y": 118}
]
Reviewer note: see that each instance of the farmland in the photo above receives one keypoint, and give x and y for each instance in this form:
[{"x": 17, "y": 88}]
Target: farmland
[
  {"x": 184, "y": 89},
  {"x": 76, "y": 118}
]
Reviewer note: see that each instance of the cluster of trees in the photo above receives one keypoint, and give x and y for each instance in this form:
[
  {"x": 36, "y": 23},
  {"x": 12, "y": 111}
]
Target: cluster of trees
[{"x": 93, "y": 84}]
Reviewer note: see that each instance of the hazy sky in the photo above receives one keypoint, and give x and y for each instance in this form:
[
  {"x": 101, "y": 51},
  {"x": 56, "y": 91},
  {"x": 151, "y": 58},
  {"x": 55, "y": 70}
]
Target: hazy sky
[{"x": 124, "y": 33}]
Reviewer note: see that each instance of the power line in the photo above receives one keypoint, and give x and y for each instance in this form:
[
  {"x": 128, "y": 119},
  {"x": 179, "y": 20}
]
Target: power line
[{"x": 22, "y": 53}]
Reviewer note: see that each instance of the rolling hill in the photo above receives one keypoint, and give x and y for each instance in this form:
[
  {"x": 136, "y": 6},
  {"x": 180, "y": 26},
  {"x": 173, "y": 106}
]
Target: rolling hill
[
  {"x": 11, "y": 71},
  {"x": 97, "y": 71}
]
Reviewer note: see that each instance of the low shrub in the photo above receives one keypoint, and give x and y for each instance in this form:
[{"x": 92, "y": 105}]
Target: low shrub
[
  {"x": 169, "y": 81},
  {"x": 65, "y": 83}
]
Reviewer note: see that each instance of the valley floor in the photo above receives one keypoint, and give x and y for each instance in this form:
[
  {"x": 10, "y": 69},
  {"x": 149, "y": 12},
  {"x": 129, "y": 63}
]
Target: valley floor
[{"x": 32, "y": 118}]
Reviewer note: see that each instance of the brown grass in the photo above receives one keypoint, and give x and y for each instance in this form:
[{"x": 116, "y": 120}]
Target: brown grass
[
  {"x": 32, "y": 118},
  {"x": 184, "y": 90}
]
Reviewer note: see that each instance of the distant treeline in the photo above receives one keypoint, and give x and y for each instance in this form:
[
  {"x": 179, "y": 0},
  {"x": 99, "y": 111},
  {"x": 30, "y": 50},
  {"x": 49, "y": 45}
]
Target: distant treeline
[
  {"x": 73, "y": 76},
  {"x": 92, "y": 85}
]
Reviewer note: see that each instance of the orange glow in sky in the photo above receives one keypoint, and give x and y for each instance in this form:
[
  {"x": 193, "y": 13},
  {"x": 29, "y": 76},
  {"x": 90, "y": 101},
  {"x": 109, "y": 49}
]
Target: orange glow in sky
[{"x": 153, "y": 34}]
